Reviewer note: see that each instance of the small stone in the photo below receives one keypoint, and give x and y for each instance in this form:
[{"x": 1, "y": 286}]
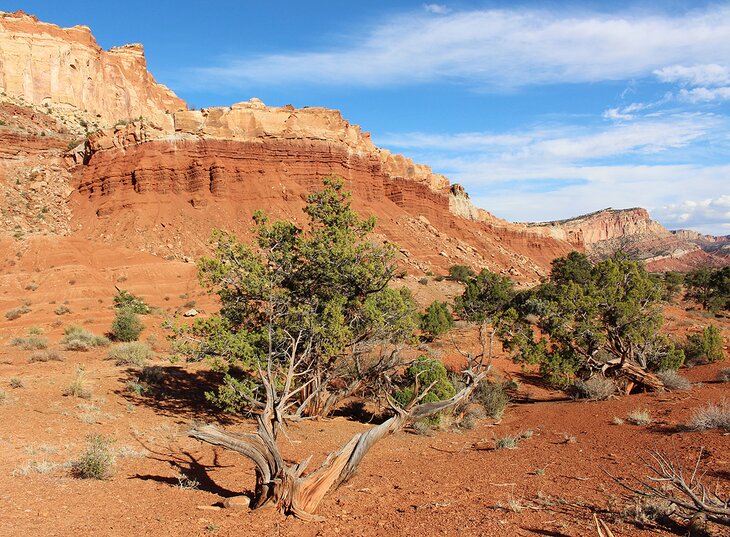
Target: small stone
[
  {"x": 191, "y": 313},
  {"x": 208, "y": 508},
  {"x": 237, "y": 502}
]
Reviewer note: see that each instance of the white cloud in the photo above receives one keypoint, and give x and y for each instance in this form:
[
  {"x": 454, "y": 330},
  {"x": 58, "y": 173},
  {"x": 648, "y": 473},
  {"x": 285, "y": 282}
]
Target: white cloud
[
  {"x": 498, "y": 49},
  {"x": 704, "y": 95},
  {"x": 648, "y": 136},
  {"x": 696, "y": 75},
  {"x": 698, "y": 213},
  {"x": 437, "y": 9}
]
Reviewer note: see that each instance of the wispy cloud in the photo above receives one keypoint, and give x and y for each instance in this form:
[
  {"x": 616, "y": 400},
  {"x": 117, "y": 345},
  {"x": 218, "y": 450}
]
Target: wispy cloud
[
  {"x": 437, "y": 9},
  {"x": 695, "y": 75},
  {"x": 698, "y": 213},
  {"x": 500, "y": 49}
]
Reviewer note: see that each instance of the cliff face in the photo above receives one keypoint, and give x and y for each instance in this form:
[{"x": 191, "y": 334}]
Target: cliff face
[
  {"x": 168, "y": 189},
  {"x": 42, "y": 62},
  {"x": 633, "y": 231}
]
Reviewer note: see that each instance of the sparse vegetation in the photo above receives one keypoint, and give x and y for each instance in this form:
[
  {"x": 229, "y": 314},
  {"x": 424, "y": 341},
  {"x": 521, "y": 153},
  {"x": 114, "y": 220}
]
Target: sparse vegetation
[
  {"x": 506, "y": 442},
  {"x": 15, "y": 313},
  {"x": 63, "y": 309},
  {"x": 126, "y": 326},
  {"x": 16, "y": 382},
  {"x": 724, "y": 375},
  {"x": 45, "y": 356},
  {"x": 461, "y": 273},
  {"x": 596, "y": 388},
  {"x": 3, "y": 396},
  {"x": 709, "y": 287},
  {"x": 674, "y": 381},
  {"x": 131, "y": 353},
  {"x": 493, "y": 397},
  {"x": 126, "y": 300},
  {"x": 77, "y": 338},
  {"x": 30, "y": 342},
  {"x": 78, "y": 386},
  {"x": 97, "y": 461},
  {"x": 711, "y": 416},
  {"x": 639, "y": 417}
]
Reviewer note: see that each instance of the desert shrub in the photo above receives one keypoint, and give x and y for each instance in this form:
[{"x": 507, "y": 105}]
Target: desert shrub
[
  {"x": 420, "y": 375},
  {"x": 136, "y": 388},
  {"x": 596, "y": 388},
  {"x": 78, "y": 387},
  {"x": 131, "y": 353},
  {"x": 461, "y": 273},
  {"x": 639, "y": 417},
  {"x": 3, "y": 396},
  {"x": 437, "y": 320},
  {"x": 423, "y": 281},
  {"x": 97, "y": 461},
  {"x": 152, "y": 374},
  {"x": 63, "y": 309},
  {"x": 126, "y": 325},
  {"x": 706, "y": 346},
  {"x": 45, "y": 356},
  {"x": 493, "y": 397},
  {"x": 76, "y": 338},
  {"x": 15, "y": 313},
  {"x": 30, "y": 342},
  {"x": 724, "y": 375},
  {"x": 673, "y": 380},
  {"x": 126, "y": 300},
  {"x": 16, "y": 382},
  {"x": 711, "y": 416},
  {"x": 506, "y": 442}
]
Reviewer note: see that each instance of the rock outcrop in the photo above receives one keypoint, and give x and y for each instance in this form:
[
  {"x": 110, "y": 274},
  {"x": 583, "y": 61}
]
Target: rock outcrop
[
  {"x": 633, "y": 231},
  {"x": 43, "y": 63}
]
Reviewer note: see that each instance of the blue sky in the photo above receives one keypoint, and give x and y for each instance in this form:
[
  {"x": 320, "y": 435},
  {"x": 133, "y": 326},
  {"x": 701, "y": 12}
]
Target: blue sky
[{"x": 542, "y": 110}]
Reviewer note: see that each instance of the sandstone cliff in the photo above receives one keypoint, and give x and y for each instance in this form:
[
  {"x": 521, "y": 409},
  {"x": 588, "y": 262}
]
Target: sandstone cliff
[
  {"x": 633, "y": 231},
  {"x": 41, "y": 63}
]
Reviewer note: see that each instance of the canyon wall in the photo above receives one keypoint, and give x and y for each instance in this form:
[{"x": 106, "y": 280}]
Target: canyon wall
[{"x": 42, "y": 63}]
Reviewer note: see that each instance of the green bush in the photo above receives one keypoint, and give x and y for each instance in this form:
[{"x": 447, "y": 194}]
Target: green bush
[
  {"x": 97, "y": 461},
  {"x": 461, "y": 273},
  {"x": 420, "y": 375},
  {"x": 707, "y": 346},
  {"x": 131, "y": 353},
  {"x": 76, "y": 338},
  {"x": 126, "y": 300},
  {"x": 437, "y": 320},
  {"x": 126, "y": 325}
]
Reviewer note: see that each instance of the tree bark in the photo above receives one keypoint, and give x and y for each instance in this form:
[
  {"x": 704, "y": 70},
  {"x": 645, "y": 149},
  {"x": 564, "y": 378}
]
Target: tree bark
[{"x": 285, "y": 485}]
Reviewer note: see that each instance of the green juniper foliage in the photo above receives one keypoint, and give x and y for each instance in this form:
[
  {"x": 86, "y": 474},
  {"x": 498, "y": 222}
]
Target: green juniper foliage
[
  {"x": 316, "y": 300},
  {"x": 437, "y": 320},
  {"x": 709, "y": 287},
  {"x": 588, "y": 315}
]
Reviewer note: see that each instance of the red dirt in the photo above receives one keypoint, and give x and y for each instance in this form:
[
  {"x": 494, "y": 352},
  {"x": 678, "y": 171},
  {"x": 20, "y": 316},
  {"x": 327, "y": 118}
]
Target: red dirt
[{"x": 450, "y": 483}]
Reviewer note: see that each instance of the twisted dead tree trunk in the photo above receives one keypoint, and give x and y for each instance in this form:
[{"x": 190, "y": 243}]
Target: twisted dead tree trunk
[{"x": 285, "y": 485}]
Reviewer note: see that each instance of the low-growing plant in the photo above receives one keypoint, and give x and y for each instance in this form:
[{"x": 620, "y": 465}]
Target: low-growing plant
[
  {"x": 673, "y": 380},
  {"x": 15, "y": 313},
  {"x": 506, "y": 442},
  {"x": 639, "y": 417},
  {"x": 126, "y": 326},
  {"x": 34, "y": 467},
  {"x": 136, "y": 388},
  {"x": 131, "y": 353},
  {"x": 724, "y": 375},
  {"x": 77, "y": 338},
  {"x": 711, "y": 416},
  {"x": 16, "y": 382},
  {"x": 596, "y": 388},
  {"x": 493, "y": 397},
  {"x": 152, "y": 374},
  {"x": 126, "y": 300},
  {"x": 63, "y": 309},
  {"x": 3, "y": 396},
  {"x": 45, "y": 356},
  {"x": 97, "y": 461},
  {"x": 437, "y": 320},
  {"x": 78, "y": 386},
  {"x": 30, "y": 342},
  {"x": 617, "y": 421}
]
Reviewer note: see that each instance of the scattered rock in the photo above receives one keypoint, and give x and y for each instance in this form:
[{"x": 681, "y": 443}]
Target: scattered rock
[
  {"x": 237, "y": 502},
  {"x": 192, "y": 312}
]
